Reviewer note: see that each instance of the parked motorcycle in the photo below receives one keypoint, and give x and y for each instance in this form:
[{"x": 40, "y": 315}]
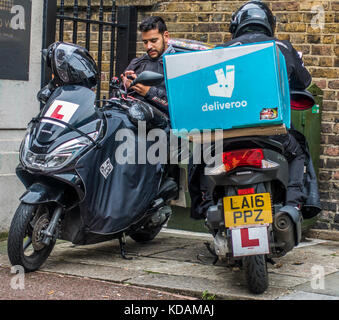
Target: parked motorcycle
[
  {"x": 250, "y": 223},
  {"x": 76, "y": 189}
]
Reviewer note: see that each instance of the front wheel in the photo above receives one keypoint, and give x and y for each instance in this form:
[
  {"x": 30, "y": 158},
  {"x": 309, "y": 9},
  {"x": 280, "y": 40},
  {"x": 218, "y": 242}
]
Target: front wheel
[
  {"x": 24, "y": 246},
  {"x": 256, "y": 273}
]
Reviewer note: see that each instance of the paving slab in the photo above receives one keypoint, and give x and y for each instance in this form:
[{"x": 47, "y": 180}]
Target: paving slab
[
  {"x": 191, "y": 253},
  {"x": 302, "y": 260},
  {"x": 229, "y": 289},
  {"x": 285, "y": 281},
  {"x": 138, "y": 264},
  {"x": 302, "y": 295},
  {"x": 328, "y": 285},
  {"x": 96, "y": 264},
  {"x": 93, "y": 271},
  {"x": 171, "y": 263},
  {"x": 160, "y": 244}
]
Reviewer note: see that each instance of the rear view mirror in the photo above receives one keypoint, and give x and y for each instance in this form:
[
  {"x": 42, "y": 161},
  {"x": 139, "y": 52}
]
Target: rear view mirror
[
  {"x": 44, "y": 54},
  {"x": 148, "y": 78},
  {"x": 44, "y": 94},
  {"x": 301, "y": 100}
]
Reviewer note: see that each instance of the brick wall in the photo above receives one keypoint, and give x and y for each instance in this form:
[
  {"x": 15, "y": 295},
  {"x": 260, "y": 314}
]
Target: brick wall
[{"x": 297, "y": 21}]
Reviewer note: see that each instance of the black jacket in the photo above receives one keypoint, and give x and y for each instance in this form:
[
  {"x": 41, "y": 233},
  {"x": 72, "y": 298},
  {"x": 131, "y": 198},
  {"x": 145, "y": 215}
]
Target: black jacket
[
  {"x": 298, "y": 76},
  {"x": 157, "y": 95}
]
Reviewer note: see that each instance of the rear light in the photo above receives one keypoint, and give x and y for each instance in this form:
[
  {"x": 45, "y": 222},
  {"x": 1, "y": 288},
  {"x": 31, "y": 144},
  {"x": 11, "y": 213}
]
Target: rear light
[
  {"x": 301, "y": 104},
  {"x": 242, "y": 192},
  {"x": 243, "y": 158}
]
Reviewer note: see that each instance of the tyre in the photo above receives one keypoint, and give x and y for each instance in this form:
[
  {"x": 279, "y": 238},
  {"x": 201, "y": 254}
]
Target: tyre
[
  {"x": 256, "y": 273},
  {"x": 24, "y": 244},
  {"x": 145, "y": 235}
]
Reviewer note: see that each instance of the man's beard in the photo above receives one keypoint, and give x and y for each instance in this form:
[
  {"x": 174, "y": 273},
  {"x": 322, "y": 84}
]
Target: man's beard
[{"x": 159, "y": 53}]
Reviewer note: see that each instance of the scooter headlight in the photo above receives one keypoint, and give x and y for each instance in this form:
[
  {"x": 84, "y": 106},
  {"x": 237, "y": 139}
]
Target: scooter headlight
[{"x": 59, "y": 157}]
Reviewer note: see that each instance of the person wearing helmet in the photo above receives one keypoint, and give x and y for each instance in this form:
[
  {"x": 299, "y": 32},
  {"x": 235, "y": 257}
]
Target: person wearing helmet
[{"x": 254, "y": 22}]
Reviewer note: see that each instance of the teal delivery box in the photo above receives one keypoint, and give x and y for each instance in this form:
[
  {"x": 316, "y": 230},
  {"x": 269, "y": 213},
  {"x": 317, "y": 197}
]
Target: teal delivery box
[{"x": 227, "y": 88}]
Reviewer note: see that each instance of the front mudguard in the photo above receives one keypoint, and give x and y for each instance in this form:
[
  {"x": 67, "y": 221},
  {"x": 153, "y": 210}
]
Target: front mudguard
[
  {"x": 39, "y": 193},
  {"x": 296, "y": 217}
]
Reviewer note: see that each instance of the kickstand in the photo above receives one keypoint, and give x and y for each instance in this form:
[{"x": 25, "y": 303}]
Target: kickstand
[
  {"x": 122, "y": 242},
  {"x": 208, "y": 246},
  {"x": 271, "y": 261}
]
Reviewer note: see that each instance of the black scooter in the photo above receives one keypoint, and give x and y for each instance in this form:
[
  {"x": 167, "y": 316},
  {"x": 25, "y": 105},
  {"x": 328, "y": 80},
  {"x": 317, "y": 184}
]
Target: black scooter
[
  {"x": 250, "y": 222},
  {"x": 77, "y": 190}
]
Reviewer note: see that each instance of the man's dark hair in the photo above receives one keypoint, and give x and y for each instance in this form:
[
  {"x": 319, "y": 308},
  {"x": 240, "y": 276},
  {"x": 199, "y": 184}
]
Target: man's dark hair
[{"x": 153, "y": 23}]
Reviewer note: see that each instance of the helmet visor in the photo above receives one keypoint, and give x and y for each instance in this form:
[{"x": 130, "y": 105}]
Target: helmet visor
[
  {"x": 62, "y": 56},
  {"x": 252, "y": 13}
]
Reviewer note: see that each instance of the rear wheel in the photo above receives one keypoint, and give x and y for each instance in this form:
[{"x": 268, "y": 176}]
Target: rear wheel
[
  {"x": 25, "y": 247},
  {"x": 256, "y": 273}
]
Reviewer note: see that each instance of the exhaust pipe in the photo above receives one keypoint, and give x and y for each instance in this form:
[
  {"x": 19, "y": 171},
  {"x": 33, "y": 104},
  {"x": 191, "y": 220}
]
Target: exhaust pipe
[{"x": 283, "y": 229}]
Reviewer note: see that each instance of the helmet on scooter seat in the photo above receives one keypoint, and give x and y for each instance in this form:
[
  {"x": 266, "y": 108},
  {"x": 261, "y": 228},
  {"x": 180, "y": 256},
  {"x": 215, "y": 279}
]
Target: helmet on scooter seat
[
  {"x": 250, "y": 17},
  {"x": 71, "y": 64}
]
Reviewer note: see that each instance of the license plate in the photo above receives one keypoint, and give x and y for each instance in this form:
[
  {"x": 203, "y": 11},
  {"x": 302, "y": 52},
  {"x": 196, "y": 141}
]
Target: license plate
[{"x": 247, "y": 209}]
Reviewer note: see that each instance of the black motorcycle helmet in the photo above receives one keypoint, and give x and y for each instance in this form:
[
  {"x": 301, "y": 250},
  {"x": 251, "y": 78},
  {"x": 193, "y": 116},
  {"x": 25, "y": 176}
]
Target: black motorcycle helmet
[
  {"x": 71, "y": 64},
  {"x": 250, "y": 17}
]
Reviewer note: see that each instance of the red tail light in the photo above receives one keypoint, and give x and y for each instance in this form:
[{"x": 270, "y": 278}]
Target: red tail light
[
  {"x": 242, "y": 192},
  {"x": 243, "y": 158},
  {"x": 301, "y": 104}
]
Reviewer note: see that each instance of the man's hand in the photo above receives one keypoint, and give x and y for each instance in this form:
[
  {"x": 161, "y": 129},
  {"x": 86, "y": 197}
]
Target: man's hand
[
  {"x": 128, "y": 77},
  {"x": 141, "y": 89}
]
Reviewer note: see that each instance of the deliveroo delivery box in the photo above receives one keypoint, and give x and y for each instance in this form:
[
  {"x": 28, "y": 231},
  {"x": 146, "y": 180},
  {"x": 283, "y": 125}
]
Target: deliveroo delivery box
[{"x": 225, "y": 88}]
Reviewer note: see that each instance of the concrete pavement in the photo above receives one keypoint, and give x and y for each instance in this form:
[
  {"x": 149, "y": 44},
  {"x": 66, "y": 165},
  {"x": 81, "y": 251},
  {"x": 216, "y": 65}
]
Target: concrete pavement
[{"x": 169, "y": 263}]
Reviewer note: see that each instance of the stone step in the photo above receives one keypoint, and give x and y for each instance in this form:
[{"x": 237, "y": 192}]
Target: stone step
[
  {"x": 10, "y": 145},
  {"x": 8, "y": 162},
  {"x": 10, "y": 140},
  {"x": 11, "y": 189}
]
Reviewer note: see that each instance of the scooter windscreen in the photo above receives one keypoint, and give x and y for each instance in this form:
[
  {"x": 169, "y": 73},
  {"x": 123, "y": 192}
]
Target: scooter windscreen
[{"x": 68, "y": 123}]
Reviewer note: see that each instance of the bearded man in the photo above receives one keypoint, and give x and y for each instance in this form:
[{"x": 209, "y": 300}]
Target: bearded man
[{"x": 155, "y": 38}]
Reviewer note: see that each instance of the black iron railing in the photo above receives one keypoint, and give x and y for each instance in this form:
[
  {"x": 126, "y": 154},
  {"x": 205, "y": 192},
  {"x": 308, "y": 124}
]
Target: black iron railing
[{"x": 118, "y": 24}]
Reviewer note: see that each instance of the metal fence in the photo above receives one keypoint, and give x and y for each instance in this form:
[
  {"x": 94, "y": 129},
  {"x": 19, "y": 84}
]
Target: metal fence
[
  {"x": 6, "y": 5},
  {"x": 107, "y": 31}
]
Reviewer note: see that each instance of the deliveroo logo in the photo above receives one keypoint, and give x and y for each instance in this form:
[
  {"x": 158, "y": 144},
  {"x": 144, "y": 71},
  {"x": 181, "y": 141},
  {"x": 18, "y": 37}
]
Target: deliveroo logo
[
  {"x": 225, "y": 85},
  {"x": 223, "y": 89}
]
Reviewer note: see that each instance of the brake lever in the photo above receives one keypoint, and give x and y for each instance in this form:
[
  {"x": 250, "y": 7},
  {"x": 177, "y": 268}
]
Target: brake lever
[{"x": 114, "y": 103}]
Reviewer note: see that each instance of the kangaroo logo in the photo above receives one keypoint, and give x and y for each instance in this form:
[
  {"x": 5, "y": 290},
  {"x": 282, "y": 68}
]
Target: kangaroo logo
[{"x": 225, "y": 85}]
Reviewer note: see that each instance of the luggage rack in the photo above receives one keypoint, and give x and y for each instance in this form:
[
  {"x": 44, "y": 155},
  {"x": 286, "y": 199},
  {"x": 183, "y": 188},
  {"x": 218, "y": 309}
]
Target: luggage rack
[{"x": 239, "y": 132}]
